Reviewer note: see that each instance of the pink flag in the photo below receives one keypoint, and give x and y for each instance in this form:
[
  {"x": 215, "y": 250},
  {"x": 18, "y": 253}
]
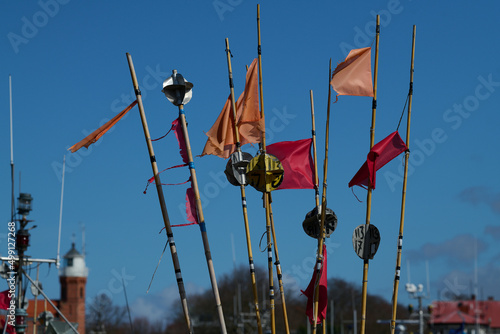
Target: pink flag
[
  {"x": 297, "y": 162},
  {"x": 180, "y": 138},
  {"x": 191, "y": 212},
  {"x": 380, "y": 154}
]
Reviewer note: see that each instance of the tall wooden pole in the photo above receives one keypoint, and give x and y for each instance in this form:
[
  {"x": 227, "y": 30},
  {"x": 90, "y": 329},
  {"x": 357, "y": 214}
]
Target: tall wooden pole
[
  {"x": 316, "y": 178},
  {"x": 203, "y": 230},
  {"x": 403, "y": 197},
  {"x": 321, "y": 237},
  {"x": 270, "y": 230},
  {"x": 161, "y": 198},
  {"x": 243, "y": 195},
  {"x": 369, "y": 196},
  {"x": 266, "y": 194},
  {"x": 278, "y": 268}
]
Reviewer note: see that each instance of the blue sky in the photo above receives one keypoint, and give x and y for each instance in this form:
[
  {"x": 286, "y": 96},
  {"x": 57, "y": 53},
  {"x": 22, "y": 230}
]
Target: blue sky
[{"x": 70, "y": 73}]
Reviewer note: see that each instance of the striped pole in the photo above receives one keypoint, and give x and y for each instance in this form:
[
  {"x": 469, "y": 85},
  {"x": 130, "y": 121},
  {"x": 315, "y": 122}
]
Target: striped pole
[
  {"x": 403, "y": 197},
  {"x": 321, "y": 238},
  {"x": 243, "y": 195},
  {"x": 161, "y": 198},
  {"x": 203, "y": 229},
  {"x": 369, "y": 195}
]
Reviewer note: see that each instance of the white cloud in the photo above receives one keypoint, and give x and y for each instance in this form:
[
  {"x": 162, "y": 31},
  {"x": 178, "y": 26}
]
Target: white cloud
[{"x": 161, "y": 305}]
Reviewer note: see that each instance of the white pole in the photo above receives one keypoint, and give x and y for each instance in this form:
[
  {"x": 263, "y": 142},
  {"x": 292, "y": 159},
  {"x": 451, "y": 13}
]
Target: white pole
[
  {"x": 60, "y": 214},
  {"x": 428, "y": 280},
  {"x": 83, "y": 240},
  {"x": 408, "y": 267}
]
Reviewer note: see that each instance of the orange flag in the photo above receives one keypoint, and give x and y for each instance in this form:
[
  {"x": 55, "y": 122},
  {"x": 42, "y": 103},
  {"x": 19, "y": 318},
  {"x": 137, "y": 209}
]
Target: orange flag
[
  {"x": 221, "y": 140},
  {"x": 354, "y": 75},
  {"x": 94, "y": 136}
]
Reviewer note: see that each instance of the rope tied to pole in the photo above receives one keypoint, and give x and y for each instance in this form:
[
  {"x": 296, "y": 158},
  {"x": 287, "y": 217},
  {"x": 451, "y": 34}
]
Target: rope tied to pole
[
  {"x": 164, "y": 248},
  {"x": 404, "y": 108},
  {"x": 260, "y": 243}
]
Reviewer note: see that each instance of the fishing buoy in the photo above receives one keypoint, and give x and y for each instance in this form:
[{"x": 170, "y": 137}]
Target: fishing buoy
[
  {"x": 236, "y": 168},
  {"x": 312, "y": 222},
  {"x": 177, "y": 89},
  {"x": 365, "y": 240},
  {"x": 265, "y": 173}
]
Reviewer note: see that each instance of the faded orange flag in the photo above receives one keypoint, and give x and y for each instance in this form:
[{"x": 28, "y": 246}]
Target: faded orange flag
[
  {"x": 94, "y": 136},
  {"x": 221, "y": 139},
  {"x": 354, "y": 75}
]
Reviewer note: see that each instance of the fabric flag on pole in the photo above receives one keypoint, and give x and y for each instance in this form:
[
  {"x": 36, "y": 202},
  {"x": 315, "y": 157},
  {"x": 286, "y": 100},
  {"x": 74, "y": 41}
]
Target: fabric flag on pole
[
  {"x": 180, "y": 139},
  {"x": 4, "y": 300},
  {"x": 297, "y": 162},
  {"x": 323, "y": 297},
  {"x": 191, "y": 212},
  {"x": 221, "y": 140},
  {"x": 380, "y": 154},
  {"x": 94, "y": 136},
  {"x": 354, "y": 75},
  {"x": 9, "y": 330}
]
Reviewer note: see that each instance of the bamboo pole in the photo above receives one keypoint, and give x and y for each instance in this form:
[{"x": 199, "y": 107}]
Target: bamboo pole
[
  {"x": 278, "y": 267},
  {"x": 319, "y": 258},
  {"x": 261, "y": 91},
  {"x": 316, "y": 178},
  {"x": 203, "y": 229},
  {"x": 161, "y": 198},
  {"x": 403, "y": 197},
  {"x": 266, "y": 194},
  {"x": 271, "y": 238},
  {"x": 369, "y": 195},
  {"x": 243, "y": 195}
]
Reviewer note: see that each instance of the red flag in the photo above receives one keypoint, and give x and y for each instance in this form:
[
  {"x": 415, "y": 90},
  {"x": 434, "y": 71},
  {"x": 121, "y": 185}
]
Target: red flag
[
  {"x": 297, "y": 162},
  {"x": 221, "y": 140},
  {"x": 354, "y": 75},
  {"x": 191, "y": 212},
  {"x": 380, "y": 154},
  {"x": 9, "y": 330},
  {"x": 180, "y": 139},
  {"x": 323, "y": 297},
  {"x": 94, "y": 136},
  {"x": 4, "y": 300}
]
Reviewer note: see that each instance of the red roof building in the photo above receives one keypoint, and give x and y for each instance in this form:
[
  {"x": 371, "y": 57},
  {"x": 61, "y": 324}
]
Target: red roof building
[{"x": 466, "y": 316}]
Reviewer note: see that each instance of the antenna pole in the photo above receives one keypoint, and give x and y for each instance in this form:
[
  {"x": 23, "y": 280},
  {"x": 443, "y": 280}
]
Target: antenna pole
[
  {"x": 83, "y": 240},
  {"x": 13, "y": 206},
  {"x": 60, "y": 215},
  {"x": 128, "y": 308}
]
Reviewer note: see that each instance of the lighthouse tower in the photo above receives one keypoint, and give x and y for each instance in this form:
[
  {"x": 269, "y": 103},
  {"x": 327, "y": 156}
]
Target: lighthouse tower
[{"x": 73, "y": 279}]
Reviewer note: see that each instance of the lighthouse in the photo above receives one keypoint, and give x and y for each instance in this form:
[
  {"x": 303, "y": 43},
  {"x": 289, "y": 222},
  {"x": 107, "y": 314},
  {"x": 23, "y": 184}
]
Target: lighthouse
[{"x": 73, "y": 279}]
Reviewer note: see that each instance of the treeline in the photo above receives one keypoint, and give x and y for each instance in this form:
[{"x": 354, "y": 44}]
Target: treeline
[{"x": 237, "y": 300}]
